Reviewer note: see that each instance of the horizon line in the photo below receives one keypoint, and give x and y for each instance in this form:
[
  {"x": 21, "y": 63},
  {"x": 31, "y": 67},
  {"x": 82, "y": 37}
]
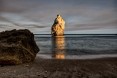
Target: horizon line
[{"x": 78, "y": 34}]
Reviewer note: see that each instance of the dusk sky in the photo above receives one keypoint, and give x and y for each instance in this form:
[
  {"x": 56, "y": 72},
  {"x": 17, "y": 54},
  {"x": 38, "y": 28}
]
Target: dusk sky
[{"x": 81, "y": 16}]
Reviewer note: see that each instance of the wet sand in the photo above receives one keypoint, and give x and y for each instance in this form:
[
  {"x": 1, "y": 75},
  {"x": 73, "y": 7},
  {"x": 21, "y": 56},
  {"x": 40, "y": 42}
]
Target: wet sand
[{"x": 53, "y": 68}]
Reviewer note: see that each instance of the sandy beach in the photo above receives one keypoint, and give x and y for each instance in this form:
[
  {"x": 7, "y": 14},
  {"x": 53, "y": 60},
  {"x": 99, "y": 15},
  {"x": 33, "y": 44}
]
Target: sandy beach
[
  {"x": 53, "y": 68},
  {"x": 86, "y": 42}
]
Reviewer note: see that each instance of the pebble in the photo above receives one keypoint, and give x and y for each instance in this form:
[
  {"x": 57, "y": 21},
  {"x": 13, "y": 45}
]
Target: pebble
[
  {"x": 26, "y": 65},
  {"x": 46, "y": 71}
]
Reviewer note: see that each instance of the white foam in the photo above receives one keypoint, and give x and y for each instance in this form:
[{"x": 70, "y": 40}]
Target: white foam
[{"x": 49, "y": 56}]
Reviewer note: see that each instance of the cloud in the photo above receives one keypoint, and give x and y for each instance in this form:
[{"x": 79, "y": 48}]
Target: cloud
[{"x": 78, "y": 14}]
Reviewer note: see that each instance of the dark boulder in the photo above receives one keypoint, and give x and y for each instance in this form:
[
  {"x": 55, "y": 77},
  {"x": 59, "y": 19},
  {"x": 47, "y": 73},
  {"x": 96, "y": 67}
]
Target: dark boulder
[{"x": 17, "y": 47}]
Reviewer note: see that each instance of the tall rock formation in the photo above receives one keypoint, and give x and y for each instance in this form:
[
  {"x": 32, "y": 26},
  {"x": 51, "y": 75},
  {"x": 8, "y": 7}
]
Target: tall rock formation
[
  {"x": 17, "y": 47},
  {"x": 58, "y": 26}
]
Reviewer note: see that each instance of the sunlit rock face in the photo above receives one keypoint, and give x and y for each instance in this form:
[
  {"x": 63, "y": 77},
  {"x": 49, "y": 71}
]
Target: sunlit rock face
[{"x": 58, "y": 26}]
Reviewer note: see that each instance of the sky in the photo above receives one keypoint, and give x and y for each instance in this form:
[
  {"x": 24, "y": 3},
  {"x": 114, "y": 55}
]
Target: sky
[{"x": 81, "y": 16}]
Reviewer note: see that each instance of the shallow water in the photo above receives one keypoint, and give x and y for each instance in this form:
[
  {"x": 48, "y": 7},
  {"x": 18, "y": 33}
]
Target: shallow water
[{"x": 77, "y": 46}]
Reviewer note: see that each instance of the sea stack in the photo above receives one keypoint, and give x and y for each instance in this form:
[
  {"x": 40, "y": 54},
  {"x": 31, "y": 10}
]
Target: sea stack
[{"x": 58, "y": 26}]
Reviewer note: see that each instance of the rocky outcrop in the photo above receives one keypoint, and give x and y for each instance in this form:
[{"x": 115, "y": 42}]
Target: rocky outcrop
[
  {"x": 58, "y": 26},
  {"x": 17, "y": 47}
]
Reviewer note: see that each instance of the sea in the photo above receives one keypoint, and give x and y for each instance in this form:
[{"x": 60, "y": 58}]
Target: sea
[{"x": 77, "y": 46}]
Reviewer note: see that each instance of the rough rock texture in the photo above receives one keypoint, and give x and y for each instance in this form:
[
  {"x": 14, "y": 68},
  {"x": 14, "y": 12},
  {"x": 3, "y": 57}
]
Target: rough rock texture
[
  {"x": 17, "y": 47},
  {"x": 58, "y": 26}
]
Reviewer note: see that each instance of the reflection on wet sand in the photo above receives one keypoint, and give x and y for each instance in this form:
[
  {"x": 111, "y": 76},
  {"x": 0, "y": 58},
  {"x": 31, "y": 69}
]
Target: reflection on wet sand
[{"x": 58, "y": 47}]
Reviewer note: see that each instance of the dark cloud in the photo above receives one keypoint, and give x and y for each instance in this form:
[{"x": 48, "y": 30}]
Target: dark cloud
[{"x": 80, "y": 14}]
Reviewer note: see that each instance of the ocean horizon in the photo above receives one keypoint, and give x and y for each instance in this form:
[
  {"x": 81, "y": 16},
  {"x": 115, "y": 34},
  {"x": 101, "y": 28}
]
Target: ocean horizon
[{"x": 77, "y": 46}]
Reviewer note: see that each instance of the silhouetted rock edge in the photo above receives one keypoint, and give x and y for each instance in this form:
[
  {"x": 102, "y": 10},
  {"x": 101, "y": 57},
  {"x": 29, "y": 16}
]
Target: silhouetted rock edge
[{"x": 17, "y": 47}]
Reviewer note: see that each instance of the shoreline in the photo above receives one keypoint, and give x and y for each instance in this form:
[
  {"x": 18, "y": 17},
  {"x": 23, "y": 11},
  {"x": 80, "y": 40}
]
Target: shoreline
[
  {"x": 68, "y": 68},
  {"x": 79, "y": 57}
]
